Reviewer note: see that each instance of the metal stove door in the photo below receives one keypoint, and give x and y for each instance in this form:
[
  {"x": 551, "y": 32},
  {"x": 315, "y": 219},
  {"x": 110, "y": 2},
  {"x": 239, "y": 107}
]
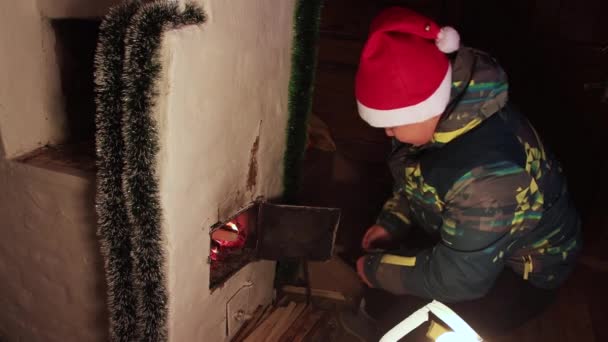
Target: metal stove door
[{"x": 296, "y": 232}]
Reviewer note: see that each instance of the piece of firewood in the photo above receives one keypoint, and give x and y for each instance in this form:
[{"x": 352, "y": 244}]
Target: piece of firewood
[
  {"x": 325, "y": 329},
  {"x": 261, "y": 332},
  {"x": 289, "y": 334},
  {"x": 315, "y": 292},
  {"x": 258, "y": 316},
  {"x": 337, "y": 276},
  {"x": 285, "y": 322},
  {"x": 304, "y": 327},
  {"x": 225, "y": 235}
]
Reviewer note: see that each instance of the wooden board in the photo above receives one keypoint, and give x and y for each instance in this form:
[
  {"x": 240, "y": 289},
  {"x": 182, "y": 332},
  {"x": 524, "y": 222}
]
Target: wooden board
[
  {"x": 296, "y": 321},
  {"x": 319, "y": 325},
  {"x": 336, "y": 276},
  {"x": 293, "y": 330},
  {"x": 315, "y": 292},
  {"x": 284, "y": 322},
  {"x": 259, "y": 334},
  {"x": 259, "y": 315}
]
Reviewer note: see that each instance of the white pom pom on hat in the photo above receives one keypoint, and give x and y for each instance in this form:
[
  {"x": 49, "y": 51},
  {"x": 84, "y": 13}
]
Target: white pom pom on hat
[{"x": 448, "y": 40}]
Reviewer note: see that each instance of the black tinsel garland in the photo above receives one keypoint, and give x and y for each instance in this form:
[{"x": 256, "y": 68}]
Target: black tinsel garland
[
  {"x": 127, "y": 68},
  {"x": 114, "y": 230},
  {"x": 142, "y": 68}
]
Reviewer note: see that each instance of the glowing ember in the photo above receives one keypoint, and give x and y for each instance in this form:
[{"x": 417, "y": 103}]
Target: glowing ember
[
  {"x": 229, "y": 247},
  {"x": 226, "y": 240},
  {"x": 215, "y": 253},
  {"x": 233, "y": 226},
  {"x": 230, "y": 236}
]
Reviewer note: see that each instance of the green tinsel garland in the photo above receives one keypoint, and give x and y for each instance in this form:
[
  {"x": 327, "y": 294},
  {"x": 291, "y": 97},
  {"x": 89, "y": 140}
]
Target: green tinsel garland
[
  {"x": 114, "y": 230},
  {"x": 307, "y": 17},
  {"x": 303, "y": 65}
]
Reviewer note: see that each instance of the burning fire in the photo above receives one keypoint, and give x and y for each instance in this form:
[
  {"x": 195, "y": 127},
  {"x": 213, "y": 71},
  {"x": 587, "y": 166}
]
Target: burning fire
[
  {"x": 225, "y": 239},
  {"x": 229, "y": 235},
  {"x": 233, "y": 226},
  {"x": 215, "y": 253}
]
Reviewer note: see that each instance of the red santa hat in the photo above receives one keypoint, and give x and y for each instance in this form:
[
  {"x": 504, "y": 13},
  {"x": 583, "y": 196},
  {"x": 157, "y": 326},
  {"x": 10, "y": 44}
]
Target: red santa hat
[{"x": 404, "y": 74}]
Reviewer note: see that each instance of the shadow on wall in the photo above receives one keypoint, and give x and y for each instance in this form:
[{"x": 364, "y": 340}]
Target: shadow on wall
[
  {"x": 554, "y": 53},
  {"x": 76, "y": 41},
  {"x": 555, "y": 57}
]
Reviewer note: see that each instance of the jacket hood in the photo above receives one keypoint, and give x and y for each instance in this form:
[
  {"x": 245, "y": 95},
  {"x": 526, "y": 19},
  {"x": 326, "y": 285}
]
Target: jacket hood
[{"x": 479, "y": 89}]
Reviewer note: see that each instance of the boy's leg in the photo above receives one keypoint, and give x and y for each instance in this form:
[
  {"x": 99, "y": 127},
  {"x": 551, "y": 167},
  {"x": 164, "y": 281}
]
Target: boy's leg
[{"x": 511, "y": 303}]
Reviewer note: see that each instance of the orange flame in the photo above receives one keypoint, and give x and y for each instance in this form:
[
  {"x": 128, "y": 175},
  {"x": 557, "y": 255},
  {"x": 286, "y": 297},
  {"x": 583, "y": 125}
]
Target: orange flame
[{"x": 233, "y": 226}]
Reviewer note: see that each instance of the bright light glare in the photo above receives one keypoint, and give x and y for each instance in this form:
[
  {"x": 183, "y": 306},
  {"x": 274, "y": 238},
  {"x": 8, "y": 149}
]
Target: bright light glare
[
  {"x": 233, "y": 226},
  {"x": 454, "y": 337}
]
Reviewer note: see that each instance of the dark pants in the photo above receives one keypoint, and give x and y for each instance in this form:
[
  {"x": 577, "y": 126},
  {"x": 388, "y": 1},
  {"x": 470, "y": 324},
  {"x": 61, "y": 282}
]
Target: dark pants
[{"x": 509, "y": 304}]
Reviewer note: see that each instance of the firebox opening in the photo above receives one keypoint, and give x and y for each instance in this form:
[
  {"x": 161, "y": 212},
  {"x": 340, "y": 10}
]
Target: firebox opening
[{"x": 233, "y": 244}]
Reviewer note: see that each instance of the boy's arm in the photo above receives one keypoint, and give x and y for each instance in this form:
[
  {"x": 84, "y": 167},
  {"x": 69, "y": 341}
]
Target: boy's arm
[
  {"x": 395, "y": 215},
  {"x": 483, "y": 209}
]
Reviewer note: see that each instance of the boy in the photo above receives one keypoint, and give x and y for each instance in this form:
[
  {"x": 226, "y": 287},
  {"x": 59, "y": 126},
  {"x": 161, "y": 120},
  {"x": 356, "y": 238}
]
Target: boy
[{"x": 469, "y": 170}]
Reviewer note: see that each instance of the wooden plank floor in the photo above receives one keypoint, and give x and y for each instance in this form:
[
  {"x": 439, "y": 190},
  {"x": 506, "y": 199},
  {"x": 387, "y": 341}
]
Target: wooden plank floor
[{"x": 571, "y": 317}]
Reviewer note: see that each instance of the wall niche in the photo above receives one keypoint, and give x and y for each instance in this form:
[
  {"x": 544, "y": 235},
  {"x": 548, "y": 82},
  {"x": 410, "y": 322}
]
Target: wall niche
[{"x": 74, "y": 51}]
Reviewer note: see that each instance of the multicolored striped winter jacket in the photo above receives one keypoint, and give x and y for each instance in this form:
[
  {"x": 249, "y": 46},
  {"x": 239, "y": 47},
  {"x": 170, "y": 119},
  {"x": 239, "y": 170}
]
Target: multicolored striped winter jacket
[{"x": 487, "y": 188}]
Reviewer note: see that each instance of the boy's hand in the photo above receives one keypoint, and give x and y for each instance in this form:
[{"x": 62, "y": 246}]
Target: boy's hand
[
  {"x": 374, "y": 234},
  {"x": 361, "y": 272}
]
